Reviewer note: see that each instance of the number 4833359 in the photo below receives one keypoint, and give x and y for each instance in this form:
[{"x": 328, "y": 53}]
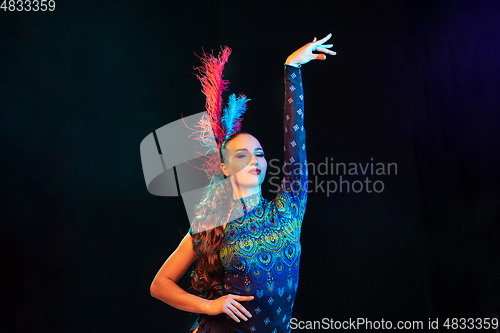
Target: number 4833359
[{"x": 28, "y": 5}]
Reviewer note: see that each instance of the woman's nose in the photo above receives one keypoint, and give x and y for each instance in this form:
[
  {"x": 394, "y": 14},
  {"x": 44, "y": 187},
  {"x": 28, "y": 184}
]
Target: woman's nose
[{"x": 253, "y": 160}]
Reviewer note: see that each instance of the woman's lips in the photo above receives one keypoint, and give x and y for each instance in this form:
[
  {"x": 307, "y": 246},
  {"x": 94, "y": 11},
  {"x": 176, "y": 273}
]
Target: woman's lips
[{"x": 255, "y": 171}]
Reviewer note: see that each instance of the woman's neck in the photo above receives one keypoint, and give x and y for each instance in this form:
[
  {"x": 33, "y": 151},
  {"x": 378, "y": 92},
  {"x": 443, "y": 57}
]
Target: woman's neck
[
  {"x": 249, "y": 198},
  {"x": 243, "y": 192}
]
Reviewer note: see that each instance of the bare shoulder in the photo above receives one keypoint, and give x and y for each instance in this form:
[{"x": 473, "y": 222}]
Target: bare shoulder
[{"x": 186, "y": 247}]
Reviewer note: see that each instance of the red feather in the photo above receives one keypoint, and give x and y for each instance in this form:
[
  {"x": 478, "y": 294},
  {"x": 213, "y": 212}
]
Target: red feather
[{"x": 213, "y": 86}]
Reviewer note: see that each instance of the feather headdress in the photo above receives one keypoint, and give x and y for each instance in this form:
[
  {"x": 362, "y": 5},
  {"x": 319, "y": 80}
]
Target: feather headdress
[{"x": 219, "y": 122}]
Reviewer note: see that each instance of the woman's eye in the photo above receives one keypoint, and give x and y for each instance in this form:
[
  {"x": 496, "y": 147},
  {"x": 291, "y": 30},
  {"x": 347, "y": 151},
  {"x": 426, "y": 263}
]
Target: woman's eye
[{"x": 244, "y": 155}]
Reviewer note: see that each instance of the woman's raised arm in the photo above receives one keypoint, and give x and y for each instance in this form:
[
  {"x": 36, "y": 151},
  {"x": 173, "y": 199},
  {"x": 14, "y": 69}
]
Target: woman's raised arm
[{"x": 294, "y": 187}]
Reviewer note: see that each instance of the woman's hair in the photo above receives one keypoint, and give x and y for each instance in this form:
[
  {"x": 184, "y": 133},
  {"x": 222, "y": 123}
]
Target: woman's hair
[
  {"x": 224, "y": 144},
  {"x": 207, "y": 275}
]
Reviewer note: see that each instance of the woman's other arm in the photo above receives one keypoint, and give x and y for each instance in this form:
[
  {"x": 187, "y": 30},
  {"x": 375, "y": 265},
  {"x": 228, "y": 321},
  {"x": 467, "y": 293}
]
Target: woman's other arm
[{"x": 164, "y": 287}]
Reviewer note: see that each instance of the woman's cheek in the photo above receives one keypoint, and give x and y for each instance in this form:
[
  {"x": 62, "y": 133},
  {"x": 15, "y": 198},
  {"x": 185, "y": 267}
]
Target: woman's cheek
[{"x": 239, "y": 166}]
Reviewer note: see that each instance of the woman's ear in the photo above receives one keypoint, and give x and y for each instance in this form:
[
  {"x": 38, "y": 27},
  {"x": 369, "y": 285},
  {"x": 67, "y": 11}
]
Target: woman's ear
[{"x": 224, "y": 170}]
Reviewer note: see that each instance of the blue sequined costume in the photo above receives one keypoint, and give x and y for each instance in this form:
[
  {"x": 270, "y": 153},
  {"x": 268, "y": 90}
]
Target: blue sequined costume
[{"x": 261, "y": 250}]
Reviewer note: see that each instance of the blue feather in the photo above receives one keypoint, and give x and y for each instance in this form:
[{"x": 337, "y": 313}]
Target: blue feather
[{"x": 233, "y": 113}]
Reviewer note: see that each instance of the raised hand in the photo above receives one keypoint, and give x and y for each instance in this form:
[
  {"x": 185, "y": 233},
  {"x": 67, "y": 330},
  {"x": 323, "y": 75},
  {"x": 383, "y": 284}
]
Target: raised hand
[
  {"x": 305, "y": 53},
  {"x": 229, "y": 305}
]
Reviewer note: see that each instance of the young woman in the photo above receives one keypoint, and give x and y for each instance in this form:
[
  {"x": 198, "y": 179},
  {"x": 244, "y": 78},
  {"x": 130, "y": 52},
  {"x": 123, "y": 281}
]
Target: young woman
[{"x": 248, "y": 269}]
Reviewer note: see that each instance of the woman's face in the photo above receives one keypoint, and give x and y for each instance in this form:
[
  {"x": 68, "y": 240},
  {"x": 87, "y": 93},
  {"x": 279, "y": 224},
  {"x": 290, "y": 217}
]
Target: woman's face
[{"x": 244, "y": 157}]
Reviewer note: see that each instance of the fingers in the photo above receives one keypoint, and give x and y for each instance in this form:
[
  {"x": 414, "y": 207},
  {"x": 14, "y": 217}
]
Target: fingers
[
  {"x": 232, "y": 311},
  {"x": 242, "y": 298},
  {"x": 244, "y": 312},
  {"x": 324, "y": 39},
  {"x": 322, "y": 49},
  {"x": 241, "y": 307},
  {"x": 235, "y": 309}
]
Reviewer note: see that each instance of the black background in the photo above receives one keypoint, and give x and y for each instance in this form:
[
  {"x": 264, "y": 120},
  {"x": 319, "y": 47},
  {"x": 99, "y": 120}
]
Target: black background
[{"x": 414, "y": 83}]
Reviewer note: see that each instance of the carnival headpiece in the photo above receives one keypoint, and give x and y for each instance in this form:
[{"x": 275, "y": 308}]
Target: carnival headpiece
[{"x": 219, "y": 122}]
